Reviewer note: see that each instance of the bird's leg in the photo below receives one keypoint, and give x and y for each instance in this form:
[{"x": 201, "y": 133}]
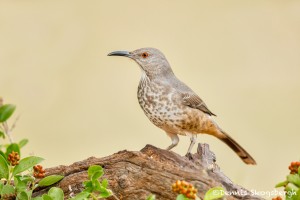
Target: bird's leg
[
  {"x": 175, "y": 140},
  {"x": 193, "y": 141}
]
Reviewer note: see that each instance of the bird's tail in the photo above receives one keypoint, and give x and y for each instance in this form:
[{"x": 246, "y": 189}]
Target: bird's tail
[{"x": 240, "y": 151}]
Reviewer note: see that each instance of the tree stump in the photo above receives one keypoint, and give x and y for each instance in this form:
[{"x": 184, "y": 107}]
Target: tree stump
[{"x": 135, "y": 175}]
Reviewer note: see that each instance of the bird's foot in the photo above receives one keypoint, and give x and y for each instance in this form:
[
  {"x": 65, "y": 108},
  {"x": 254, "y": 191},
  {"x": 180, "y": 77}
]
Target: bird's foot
[
  {"x": 189, "y": 156},
  {"x": 170, "y": 147}
]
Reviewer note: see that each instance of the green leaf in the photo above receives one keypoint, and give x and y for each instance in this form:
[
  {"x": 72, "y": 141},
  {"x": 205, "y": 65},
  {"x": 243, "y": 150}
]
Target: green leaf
[
  {"x": 23, "y": 142},
  {"x": 81, "y": 196},
  {"x": 50, "y": 180},
  {"x": 151, "y": 197},
  {"x": 294, "y": 178},
  {"x": 105, "y": 193},
  {"x": 292, "y": 194},
  {"x": 37, "y": 198},
  {"x": 56, "y": 193},
  {"x": 104, "y": 183},
  {"x": 46, "y": 197},
  {"x": 95, "y": 172},
  {"x": 4, "y": 156},
  {"x": 291, "y": 187},
  {"x": 97, "y": 175},
  {"x": 88, "y": 185},
  {"x": 214, "y": 193},
  {"x": 97, "y": 186},
  {"x": 181, "y": 197},
  {"x": 26, "y": 178},
  {"x": 23, "y": 196},
  {"x": 2, "y": 134},
  {"x": 4, "y": 170},
  {"x": 19, "y": 184},
  {"x": 26, "y": 163},
  {"x": 297, "y": 196},
  {"x": 7, "y": 189},
  {"x": 281, "y": 184},
  {"x": 6, "y": 111},
  {"x": 13, "y": 147},
  {"x": 1, "y": 186},
  {"x": 299, "y": 170}
]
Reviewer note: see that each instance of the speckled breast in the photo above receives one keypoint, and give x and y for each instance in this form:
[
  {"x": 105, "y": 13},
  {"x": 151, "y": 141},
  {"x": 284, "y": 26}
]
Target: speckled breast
[
  {"x": 157, "y": 102},
  {"x": 164, "y": 109}
]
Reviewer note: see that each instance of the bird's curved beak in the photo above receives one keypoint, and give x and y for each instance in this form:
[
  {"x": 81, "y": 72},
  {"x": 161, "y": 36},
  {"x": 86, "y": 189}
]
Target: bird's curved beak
[{"x": 119, "y": 53}]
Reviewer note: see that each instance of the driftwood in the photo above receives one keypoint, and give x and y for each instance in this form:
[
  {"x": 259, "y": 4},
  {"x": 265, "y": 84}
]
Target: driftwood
[{"x": 135, "y": 175}]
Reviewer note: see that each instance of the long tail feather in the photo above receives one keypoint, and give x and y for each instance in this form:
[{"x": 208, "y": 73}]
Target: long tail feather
[{"x": 240, "y": 151}]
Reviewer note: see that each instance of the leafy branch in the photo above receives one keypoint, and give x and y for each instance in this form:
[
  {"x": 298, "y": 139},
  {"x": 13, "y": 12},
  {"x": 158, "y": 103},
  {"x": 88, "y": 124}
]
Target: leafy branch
[
  {"x": 18, "y": 177},
  {"x": 292, "y": 183}
]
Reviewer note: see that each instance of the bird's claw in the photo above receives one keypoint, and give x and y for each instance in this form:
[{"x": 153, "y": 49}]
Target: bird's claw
[{"x": 189, "y": 156}]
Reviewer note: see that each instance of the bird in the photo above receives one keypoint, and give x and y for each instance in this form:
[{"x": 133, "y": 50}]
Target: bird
[{"x": 173, "y": 106}]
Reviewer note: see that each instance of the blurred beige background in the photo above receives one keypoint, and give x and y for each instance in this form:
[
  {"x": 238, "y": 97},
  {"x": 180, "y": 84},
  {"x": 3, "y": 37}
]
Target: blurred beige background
[{"x": 241, "y": 57}]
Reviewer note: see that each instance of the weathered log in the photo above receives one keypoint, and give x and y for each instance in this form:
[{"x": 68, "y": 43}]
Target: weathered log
[{"x": 135, "y": 175}]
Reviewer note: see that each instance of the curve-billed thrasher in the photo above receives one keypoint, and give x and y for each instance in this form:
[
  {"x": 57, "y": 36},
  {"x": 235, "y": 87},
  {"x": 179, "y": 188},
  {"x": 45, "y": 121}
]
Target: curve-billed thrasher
[{"x": 173, "y": 106}]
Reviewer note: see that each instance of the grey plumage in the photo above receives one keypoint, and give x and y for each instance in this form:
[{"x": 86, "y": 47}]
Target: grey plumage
[{"x": 173, "y": 106}]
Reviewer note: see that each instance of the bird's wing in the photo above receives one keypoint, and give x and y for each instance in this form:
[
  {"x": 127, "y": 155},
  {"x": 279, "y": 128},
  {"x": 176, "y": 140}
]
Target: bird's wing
[{"x": 194, "y": 101}]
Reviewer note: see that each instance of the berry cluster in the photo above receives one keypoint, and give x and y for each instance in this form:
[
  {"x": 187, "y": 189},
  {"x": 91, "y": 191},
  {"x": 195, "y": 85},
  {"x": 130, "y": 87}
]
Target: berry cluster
[
  {"x": 185, "y": 188},
  {"x": 39, "y": 172},
  {"x": 277, "y": 198},
  {"x": 294, "y": 167},
  {"x": 13, "y": 158}
]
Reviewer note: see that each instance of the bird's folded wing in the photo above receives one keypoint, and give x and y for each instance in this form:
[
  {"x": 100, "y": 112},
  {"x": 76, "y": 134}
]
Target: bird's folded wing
[{"x": 194, "y": 101}]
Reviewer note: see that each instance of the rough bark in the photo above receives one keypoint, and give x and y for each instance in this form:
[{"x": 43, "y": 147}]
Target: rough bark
[{"x": 135, "y": 175}]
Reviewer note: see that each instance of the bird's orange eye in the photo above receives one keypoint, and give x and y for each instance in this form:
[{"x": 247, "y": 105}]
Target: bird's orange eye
[{"x": 145, "y": 55}]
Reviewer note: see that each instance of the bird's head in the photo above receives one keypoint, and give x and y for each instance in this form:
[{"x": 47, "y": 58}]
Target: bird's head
[{"x": 151, "y": 60}]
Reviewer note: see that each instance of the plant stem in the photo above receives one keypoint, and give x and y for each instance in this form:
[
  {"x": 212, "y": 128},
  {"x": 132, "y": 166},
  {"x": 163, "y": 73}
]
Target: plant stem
[
  {"x": 93, "y": 196},
  {"x": 7, "y": 132},
  {"x": 13, "y": 126},
  {"x": 9, "y": 175}
]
